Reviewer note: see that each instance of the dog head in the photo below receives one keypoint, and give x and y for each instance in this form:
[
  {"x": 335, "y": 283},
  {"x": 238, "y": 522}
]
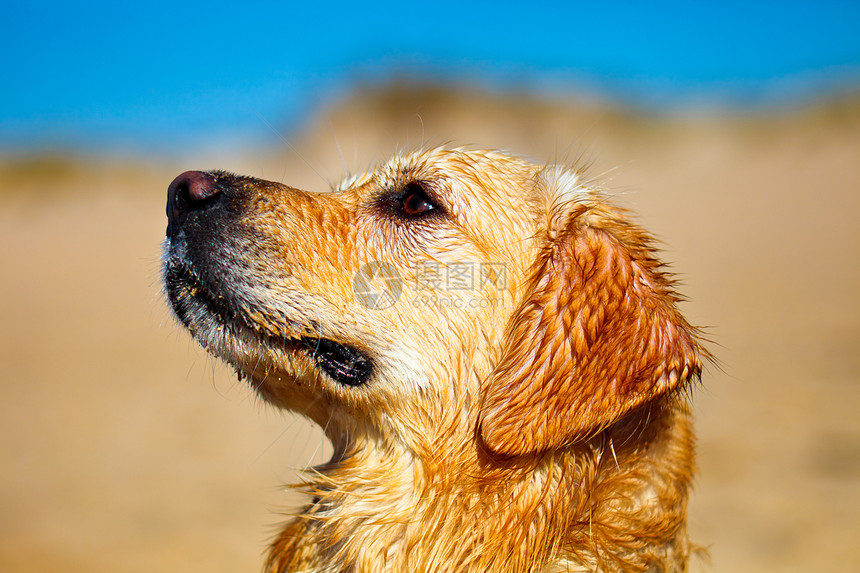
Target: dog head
[{"x": 449, "y": 292}]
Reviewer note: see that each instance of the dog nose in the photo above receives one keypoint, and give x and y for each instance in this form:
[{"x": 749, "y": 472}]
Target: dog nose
[{"x": 190, "y": 191}]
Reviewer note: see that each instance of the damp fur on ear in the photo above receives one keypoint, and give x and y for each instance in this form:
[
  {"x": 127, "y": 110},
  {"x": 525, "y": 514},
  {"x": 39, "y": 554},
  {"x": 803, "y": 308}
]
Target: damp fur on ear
[{"x": 596, "y": 334}]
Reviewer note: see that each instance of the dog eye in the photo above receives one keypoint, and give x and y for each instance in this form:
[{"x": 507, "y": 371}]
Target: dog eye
[{"x": 414, "y": 201}]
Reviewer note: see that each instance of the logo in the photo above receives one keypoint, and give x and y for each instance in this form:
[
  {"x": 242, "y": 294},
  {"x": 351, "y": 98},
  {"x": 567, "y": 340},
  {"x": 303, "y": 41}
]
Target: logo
[{"x": 377, "y": 285}]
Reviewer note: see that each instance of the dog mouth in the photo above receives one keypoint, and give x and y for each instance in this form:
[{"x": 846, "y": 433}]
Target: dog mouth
[{"x": 229, "y": 332}]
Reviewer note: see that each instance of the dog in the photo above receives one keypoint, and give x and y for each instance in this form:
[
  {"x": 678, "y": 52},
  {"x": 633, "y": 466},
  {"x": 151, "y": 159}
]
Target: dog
[{"x": 493, "y": 349}]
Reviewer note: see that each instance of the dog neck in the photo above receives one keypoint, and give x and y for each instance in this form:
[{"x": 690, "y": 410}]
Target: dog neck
[{"x": 385, "y": 509}]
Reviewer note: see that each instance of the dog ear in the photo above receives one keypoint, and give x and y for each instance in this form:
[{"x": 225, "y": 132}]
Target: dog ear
[{"x": 597, "y": 334}]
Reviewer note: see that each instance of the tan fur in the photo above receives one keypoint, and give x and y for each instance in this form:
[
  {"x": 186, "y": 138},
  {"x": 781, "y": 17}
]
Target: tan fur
[{"x": 534, "y": 422}]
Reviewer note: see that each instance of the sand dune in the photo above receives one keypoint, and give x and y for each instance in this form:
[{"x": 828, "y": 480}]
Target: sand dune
[{"x": 126, "y": 449}]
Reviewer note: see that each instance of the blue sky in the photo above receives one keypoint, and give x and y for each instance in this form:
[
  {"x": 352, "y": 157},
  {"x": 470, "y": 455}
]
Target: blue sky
[{"x": 137, "y": 75}]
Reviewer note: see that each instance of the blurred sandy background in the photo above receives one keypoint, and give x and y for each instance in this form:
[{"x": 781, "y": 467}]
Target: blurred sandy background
[{"x": 125, "y": 448}]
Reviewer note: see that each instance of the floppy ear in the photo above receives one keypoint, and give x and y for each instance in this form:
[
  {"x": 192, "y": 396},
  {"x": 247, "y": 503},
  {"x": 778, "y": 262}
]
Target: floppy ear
[{"x": 597, "y": 334}]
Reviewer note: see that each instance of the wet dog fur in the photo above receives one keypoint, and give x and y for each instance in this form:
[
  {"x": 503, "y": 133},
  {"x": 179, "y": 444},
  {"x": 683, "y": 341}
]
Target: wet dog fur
[{"x": 531, "y": 417}]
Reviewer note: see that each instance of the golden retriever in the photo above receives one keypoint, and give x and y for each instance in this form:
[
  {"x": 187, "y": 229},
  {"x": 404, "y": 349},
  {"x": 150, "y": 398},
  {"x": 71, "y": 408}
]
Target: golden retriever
[{"x": 492, "y": 347}]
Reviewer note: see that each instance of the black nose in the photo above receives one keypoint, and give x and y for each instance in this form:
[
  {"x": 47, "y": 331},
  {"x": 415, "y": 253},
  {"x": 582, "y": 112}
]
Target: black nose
[{"x": 190, "y": 191}]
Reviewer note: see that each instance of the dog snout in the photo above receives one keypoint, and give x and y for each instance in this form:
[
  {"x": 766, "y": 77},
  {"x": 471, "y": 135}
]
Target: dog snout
[{"x": 190, "y": 191}]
